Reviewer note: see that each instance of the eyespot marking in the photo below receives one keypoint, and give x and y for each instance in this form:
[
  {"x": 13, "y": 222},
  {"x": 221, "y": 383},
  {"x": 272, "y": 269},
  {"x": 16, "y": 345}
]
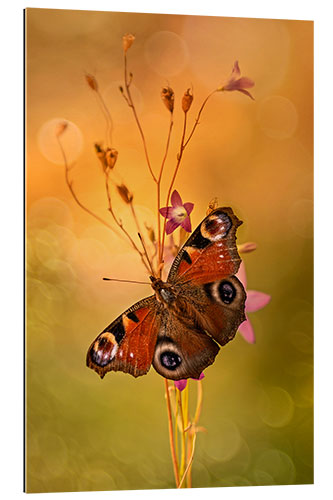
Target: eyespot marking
[
  {"x": 216, "y": 226},
  {"x": 227, "y": 292},
  {"x": 170, "y": 360},
  {"x": 104, "y": 349}
]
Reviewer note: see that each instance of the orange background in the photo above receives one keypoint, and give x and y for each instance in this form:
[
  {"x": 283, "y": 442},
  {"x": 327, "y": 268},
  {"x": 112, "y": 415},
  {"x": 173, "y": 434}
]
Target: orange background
[{"x": 255, "y": 156}]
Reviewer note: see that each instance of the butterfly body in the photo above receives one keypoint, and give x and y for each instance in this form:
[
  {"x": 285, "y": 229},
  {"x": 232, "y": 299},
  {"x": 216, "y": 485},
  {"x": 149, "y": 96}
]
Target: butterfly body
[{"x": 179, "y": 329}]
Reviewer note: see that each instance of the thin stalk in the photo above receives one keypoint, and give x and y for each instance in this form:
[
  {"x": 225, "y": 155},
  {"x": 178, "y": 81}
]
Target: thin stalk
[
  {"x": 120, "y": 224},
  {"x": 171, "y": 437},
  {"x": 159, "y": 188},
  {"x": 131, "y": 105},
  {"x": 70, "y": 186},
  {"x": 189, "y": 463},
  {"x": 183, "y": 437}
]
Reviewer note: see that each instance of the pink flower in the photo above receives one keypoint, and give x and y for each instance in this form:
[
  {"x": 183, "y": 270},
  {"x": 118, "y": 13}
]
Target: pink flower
[
  {"x": 236, "y": 82},
  {"x": 178, "y": 214},
  {"x": 181, "y": 384},
  {"x": 254, "y": 301}
]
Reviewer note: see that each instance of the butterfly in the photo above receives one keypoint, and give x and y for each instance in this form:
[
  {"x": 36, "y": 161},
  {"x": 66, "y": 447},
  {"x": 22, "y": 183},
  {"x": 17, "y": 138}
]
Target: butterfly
[{"x": 198, "y": 308}]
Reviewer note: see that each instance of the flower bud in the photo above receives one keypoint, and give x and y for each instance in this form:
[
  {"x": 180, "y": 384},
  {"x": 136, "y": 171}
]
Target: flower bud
[
  {"x": 60, "y": 128},
  {"x": 125, "y": 194},
  {"x": 246, "y": 247},
  {"x": 212, "y": 205},
  {"x": 168, "y": 97},
  {"x": 128, "y": 39},
  {"x": 111, "y": 156},
  {"x": 92, "y": 82},
  {"x": 187, "y": 100}
]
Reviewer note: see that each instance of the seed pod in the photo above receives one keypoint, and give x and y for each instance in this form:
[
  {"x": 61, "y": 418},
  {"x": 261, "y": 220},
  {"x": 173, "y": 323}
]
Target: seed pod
[
  {"x": 187, "y": 100},
  {"x": 247, "y": 247},
  {"x": 125, "y": 194},
  {"x": 168, "y": 97},
  {"x": 100, "y": 153},
  {"x": 92, "y": 82},
  {"x": 111, "y": 156},
  {"x": 128, "y": 39},
  {"x": 60, "y": 128}
]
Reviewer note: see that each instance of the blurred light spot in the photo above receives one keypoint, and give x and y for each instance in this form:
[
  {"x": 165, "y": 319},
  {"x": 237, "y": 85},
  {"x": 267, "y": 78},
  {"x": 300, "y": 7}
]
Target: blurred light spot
[
  {"x": 166, "y": 53},
  {"x": 71, "y": 140},
  {"x": 262, "y": 478},
  {"x": 46, "y": 246},
  {"x": 277, "y": 117},
  {"x": 276, "y": 464},
  {"x": 276, "y": 407},
  {"x": 224, "y": 445},
  {"x": 49, "y": 210},
  {"x": 300, "y": 218},
  {"x": 120, "y": 111},
  {"x": 302, "y": 342}
]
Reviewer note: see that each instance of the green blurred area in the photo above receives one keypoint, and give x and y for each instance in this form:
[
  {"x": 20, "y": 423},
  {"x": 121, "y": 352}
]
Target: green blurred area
[{"x": 84, "y": 433}]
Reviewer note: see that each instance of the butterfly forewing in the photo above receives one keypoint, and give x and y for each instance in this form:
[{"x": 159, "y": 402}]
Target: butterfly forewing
[{"x": 128, "y": 343}]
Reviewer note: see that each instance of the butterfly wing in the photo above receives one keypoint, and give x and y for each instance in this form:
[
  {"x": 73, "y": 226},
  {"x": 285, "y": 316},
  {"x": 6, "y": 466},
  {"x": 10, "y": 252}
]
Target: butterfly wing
[
  {"x": 210, "y": 253},
  {"x": 128, "y": 343},
  {"x": 204, "y": 271},
  {"x": 182, "y": 349}
]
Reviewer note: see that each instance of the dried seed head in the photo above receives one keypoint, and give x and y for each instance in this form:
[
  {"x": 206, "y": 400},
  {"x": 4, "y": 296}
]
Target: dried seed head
[
  {"x": 187, "y": 100},
  {"x": 168, "y": 97},
  {"x": 111, "y": 156},
  {"x": 92, "y": 82},
  {"x": 151, "y": 233},
  {"x": 125, "y": 194},
  {"x": 60, "y": 128},
  {"x": 247, "y": 247},
  {"x": 212, "y": 205},
  {"x": 128, "y": 39},
  {"x": 100, "y": 153}
]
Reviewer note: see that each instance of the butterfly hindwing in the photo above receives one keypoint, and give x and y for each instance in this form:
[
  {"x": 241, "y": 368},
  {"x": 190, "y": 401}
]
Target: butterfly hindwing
[
  {"x": 182, "y": 350},
  {"x": 128, "y": 343}
]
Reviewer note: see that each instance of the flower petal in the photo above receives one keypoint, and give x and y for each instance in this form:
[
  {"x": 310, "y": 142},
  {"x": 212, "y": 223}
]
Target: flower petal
[
  {"x": 256, "y": 300},
  {"x": 186, "y": 224},
  {"x": 181, "y": 384},
  {"x": 170, "y": 226},
  {"x": 241, "y": 275},
  {"x": 244, "y": 83},
  {"x": 246, "y": 330},
  {"x": 246, "y": 93},
  {"x": 235, "y": 70},
  {"x": 188, "y": 207},
  {"x": 201, "y": 376},
  {"x": 165, "y": 212},
  {"x": 176, "y": 200}
]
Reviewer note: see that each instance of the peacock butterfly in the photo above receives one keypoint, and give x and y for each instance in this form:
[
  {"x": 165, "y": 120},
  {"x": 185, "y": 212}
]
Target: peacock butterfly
[{"x": 178, "y": 329}]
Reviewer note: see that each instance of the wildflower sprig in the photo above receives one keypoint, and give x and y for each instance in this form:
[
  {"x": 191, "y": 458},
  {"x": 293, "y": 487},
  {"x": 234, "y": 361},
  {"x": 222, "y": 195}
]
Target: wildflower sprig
[{"x": 156, "y": 246}]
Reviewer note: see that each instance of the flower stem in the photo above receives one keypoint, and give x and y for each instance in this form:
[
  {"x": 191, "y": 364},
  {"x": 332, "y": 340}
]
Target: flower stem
[{"x": 171, "y": 437}]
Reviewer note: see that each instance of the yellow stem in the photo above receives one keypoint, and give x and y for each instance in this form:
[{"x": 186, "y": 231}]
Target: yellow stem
[{"x": 171, "y": 438}]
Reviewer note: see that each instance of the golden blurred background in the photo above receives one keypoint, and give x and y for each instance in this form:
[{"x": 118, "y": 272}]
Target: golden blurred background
[{"x": 255, "y": 156}]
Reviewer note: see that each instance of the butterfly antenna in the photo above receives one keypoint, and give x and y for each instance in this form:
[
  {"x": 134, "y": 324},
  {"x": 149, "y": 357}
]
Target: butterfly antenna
[
  {"x": 146, "y": 254},
  {"x": 127, "y": 281}
]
